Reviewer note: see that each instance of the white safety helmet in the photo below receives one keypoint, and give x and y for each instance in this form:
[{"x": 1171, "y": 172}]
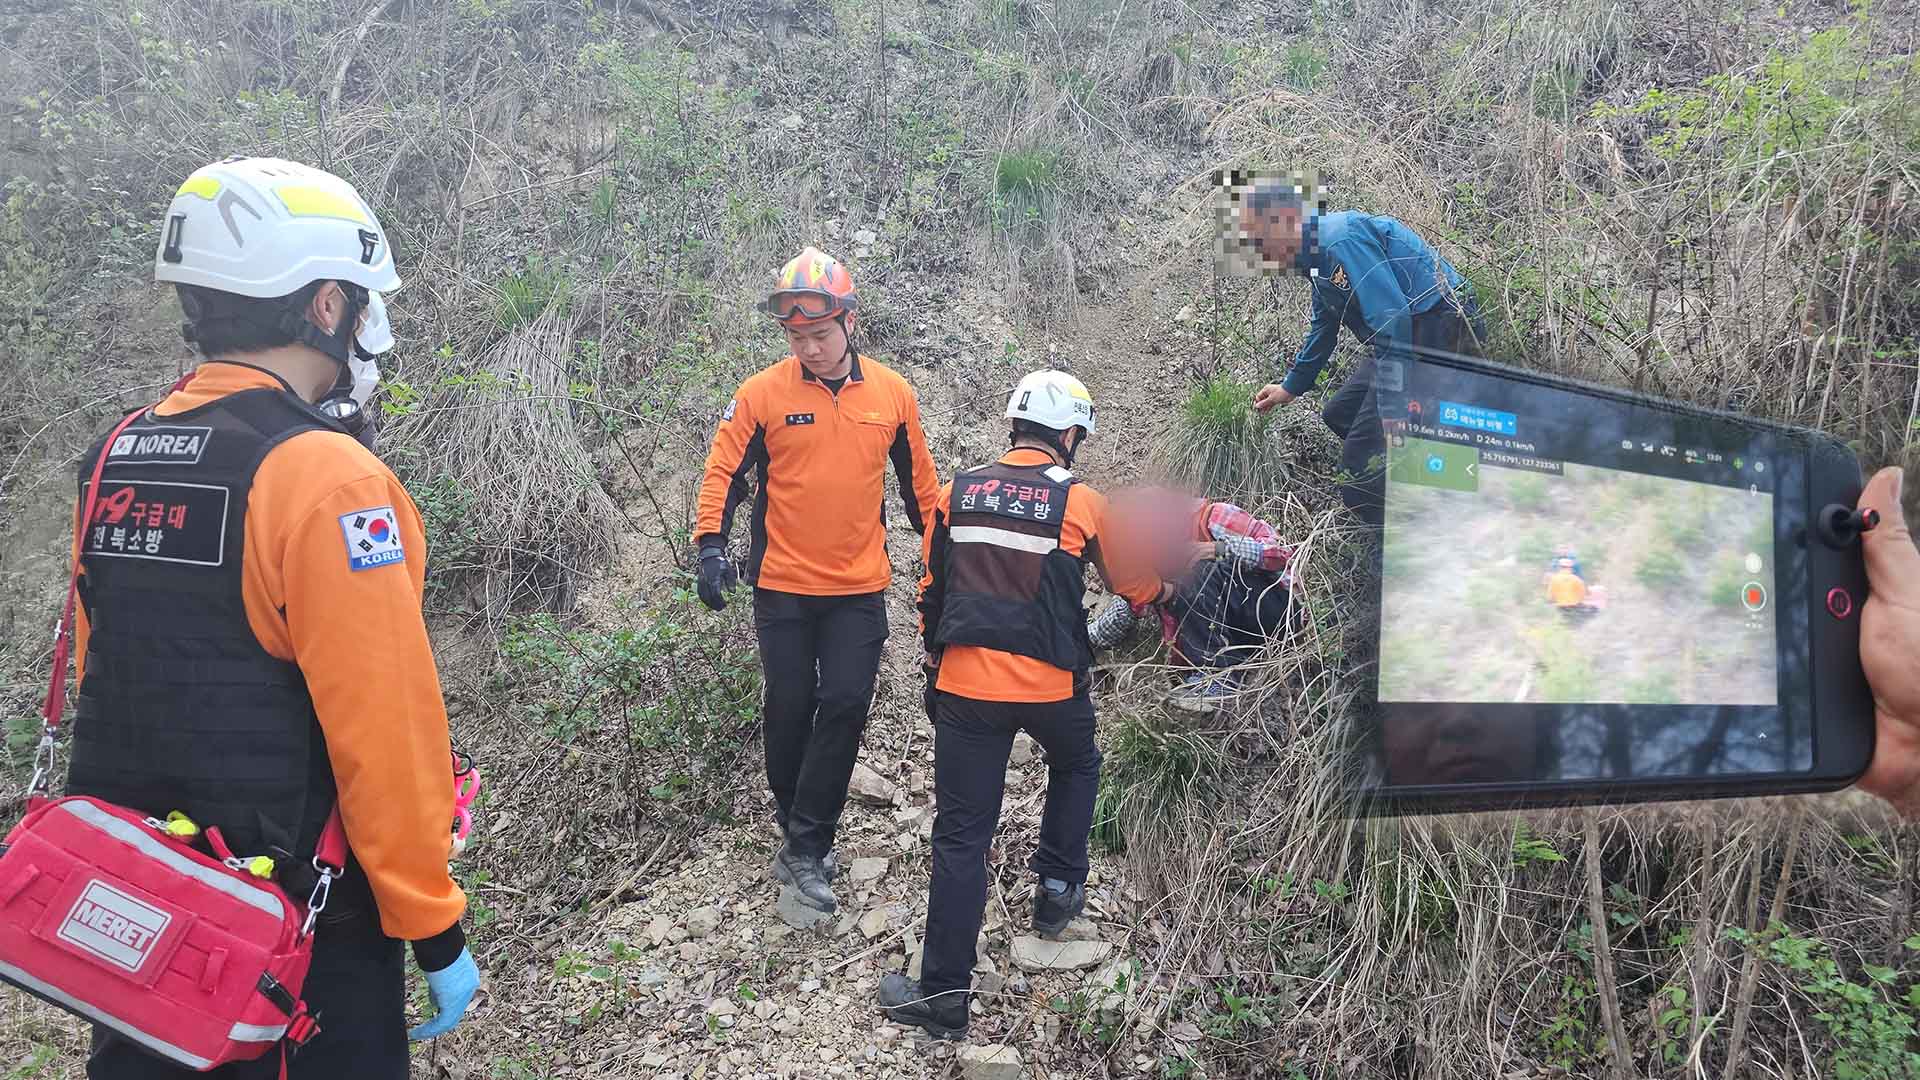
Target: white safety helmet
[
  {"x": 263, "y": 227},
  {"x": 1052, "y": 399}
]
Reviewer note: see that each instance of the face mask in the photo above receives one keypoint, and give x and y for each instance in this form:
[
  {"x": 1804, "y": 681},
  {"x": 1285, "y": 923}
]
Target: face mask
[{"x": 347, "y": 402}]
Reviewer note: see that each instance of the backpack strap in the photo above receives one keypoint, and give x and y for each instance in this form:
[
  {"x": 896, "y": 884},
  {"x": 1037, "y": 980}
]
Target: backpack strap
[{"x": 55, "y": 704}]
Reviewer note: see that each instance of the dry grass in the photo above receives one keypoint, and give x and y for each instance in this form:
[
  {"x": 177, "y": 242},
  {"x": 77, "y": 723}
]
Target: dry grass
[
  {"x": 641, "y": 149},
  {"x": 508, "y": 438}
]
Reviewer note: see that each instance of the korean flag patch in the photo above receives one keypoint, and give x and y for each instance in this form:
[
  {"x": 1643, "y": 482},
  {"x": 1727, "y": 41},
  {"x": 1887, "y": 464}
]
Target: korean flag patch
[{"x": 373, "y": 538}]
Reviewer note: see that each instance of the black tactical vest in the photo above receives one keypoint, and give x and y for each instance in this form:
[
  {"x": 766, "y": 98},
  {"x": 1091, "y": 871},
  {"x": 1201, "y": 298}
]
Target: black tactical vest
[
  {"x": 1008, "y": 583},
  {"x": 181, "y": 708}
]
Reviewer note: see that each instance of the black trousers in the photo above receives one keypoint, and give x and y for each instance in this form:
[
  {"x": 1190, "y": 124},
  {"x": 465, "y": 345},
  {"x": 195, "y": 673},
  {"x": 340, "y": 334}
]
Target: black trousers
[
  {"x": 1353, "y": 414},
  {"x": 819, "y": 656},
  {"x": 357, "y": 987},
  {"x": 1225, "y": 613},
  {"x": 971, "y": 743}
]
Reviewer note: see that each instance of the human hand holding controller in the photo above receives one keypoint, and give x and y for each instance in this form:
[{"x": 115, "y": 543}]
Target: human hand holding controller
[{"x": 1890, "y": 647}]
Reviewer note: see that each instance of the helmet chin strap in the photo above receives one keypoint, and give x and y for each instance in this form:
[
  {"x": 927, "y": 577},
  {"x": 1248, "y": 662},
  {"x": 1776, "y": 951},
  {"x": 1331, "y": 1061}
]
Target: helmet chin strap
[
  {"x": 337, "y": 343},
  {"x": 340, "y": 344}
]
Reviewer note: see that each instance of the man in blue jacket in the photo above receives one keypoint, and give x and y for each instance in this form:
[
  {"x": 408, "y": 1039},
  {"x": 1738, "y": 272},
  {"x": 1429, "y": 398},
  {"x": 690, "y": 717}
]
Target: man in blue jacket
[{"x": 1380, "y": 280}]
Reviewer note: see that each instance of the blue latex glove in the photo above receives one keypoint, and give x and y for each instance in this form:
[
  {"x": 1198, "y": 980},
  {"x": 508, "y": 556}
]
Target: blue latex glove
[{"x": 452, "y": 988}]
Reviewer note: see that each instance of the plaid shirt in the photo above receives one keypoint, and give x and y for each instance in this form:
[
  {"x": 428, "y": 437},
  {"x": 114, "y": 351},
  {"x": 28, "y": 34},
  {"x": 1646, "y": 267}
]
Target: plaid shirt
[
  {"x": 1246, "y": 539},
  {"x": 1238, "y": 536}
]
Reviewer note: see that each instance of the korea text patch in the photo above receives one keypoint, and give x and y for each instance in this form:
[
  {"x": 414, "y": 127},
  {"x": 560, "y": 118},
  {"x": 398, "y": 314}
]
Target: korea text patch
[{"x": 373, "y": 538}]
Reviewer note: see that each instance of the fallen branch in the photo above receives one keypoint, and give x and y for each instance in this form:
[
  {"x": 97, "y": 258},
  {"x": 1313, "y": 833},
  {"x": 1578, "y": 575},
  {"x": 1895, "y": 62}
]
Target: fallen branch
[
  {"x": 1750, "y": 971},
  {"x": 353, "y": 49},
  {"x": 1603, "y": 953}
]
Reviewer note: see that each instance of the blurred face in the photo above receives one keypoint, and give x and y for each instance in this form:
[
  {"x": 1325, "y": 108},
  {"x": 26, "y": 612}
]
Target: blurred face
[
  {"x": 821, "y": 348},
  {"x": 1274, "y": 233}
]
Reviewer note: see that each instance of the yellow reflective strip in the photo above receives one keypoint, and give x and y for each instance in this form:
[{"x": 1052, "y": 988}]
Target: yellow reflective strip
[
  {"x": 204, "y": 186},
  {"x": 319, "y": 202}
]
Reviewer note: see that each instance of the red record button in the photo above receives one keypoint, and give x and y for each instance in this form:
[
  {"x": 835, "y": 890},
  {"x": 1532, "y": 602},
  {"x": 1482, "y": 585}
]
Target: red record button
[
  {"x": 1753, "y": 595},
  {"x": 1839, "y": 602}
]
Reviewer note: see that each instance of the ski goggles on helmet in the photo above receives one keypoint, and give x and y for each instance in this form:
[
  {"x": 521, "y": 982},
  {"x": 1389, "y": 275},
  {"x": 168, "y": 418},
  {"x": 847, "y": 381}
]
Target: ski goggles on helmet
[{"x": 806, "y": 305}]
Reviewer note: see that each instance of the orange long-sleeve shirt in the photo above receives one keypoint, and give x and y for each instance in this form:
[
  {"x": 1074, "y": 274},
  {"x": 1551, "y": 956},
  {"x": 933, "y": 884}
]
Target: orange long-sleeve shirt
[
  {"x": 360, "y": 640},
  {"x": 992, "y": 675},
  {"x": 818, "y": 461}
]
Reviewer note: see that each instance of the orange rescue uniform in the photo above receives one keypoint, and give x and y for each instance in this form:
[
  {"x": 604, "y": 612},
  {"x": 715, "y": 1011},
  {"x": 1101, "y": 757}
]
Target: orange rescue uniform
[
  {"x": 992, "y": 675},
  {"x": 1566, "y": 589},
  {"x": 361, "y": 642},
  {"x": 818, "y": 461}
]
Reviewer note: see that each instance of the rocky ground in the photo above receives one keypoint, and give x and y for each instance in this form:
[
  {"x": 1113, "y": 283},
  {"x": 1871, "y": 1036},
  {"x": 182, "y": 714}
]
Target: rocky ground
[{"x": 715, "y": 970}]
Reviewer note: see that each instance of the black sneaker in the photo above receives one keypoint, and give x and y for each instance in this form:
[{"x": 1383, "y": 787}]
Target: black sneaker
[
  {"x": 943, "y": 1017},
  {"x": 809, "y": 878},
  {"x": 1055, "y": 904}
]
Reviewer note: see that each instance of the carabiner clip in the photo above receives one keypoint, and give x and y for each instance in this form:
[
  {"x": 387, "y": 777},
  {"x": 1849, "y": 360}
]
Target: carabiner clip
[
  {"x": 45, "y": 759},
  {"x": 317, "y": 902}
]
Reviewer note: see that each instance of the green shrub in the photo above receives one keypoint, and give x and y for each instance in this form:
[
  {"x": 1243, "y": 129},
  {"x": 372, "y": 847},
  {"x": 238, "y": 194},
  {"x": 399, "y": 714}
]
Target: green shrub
[
  {"x": 1661, "y": 568},
  {"x": 1528, "y": 493},
  {"x": 1218, "y": 444},
  {"x": 1026, "y": 186},
  {"x": 526, "y": 295}
]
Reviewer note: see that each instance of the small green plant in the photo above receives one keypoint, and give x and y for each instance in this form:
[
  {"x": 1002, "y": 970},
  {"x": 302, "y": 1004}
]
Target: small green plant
[
  {"x": 568, "y": 964},
  {"x": 1556, "y": 92},
  {"x": 1872, "y": 854},
  {"x": 35, "y": 1065},
  {"x": 526, "y": 295},
  {"x": 1671, "y": 1019},
  {"x": 1332, "y": 892},
  {"x": 1528, "y": 848},
  {"x": 1872, "y": 1030},
  {"x": 1305, "y": 65},
  {"x": 1567, "y": 1040}
]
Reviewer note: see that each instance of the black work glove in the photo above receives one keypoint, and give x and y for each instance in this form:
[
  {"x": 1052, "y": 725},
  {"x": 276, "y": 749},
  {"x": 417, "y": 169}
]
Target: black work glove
[
  {"x": 717, "y": 577},
  {"x": 931, "y": 693}
]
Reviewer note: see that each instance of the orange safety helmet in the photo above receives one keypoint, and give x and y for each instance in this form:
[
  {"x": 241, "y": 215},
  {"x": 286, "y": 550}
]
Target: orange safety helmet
[{"x": 810, "y": 288}]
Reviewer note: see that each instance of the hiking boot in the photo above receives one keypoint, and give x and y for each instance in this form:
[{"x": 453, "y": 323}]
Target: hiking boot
[
  {"x": 943, "y": 1017},
  {"x": 830, "y": 864},
  {"x": 809, "y": 878},
  {"x": 1055, "y": 904}
]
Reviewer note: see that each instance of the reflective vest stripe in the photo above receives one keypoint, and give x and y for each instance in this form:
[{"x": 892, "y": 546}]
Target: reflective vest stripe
[{"x": 1006, "y": 538}]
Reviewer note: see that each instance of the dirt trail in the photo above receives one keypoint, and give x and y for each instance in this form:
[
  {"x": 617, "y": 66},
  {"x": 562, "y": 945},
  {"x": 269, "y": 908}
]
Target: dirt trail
[{"x": 709, "y": 980}]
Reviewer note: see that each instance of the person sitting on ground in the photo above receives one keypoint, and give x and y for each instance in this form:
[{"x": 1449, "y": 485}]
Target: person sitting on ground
[
  {"x": 1234, "y": 581},
  {"x": 1565, "y": 588}
]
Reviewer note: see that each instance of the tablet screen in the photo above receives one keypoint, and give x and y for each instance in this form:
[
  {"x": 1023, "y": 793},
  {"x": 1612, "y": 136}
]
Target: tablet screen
[{"x": 1578, "y": 587}]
